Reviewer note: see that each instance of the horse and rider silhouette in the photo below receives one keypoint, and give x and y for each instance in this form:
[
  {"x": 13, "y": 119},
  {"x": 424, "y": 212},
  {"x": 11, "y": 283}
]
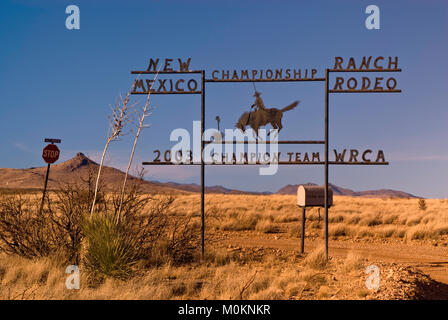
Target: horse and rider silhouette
[{"x": 261, "y": 116}]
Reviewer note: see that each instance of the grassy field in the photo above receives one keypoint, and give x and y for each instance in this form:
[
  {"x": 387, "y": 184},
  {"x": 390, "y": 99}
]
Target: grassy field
[
  {"x": 257, "y": 272},
  {"x": 350, "y": 217}
]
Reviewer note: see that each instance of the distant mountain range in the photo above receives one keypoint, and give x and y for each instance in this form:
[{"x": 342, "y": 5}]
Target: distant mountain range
[
  {"x": 339, "y": 191},
  {"x": 79, "y": 167}
]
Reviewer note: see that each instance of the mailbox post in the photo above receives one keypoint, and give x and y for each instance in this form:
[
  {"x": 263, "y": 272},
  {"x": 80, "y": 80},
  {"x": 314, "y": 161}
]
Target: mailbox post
[{"x": 311, "y": 196}]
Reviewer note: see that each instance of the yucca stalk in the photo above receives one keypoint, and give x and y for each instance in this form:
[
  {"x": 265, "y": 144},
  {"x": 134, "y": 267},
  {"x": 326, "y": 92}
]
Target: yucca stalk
[
  {"x": 140, "y": 126},
  {"x": 117, "y": 122}
]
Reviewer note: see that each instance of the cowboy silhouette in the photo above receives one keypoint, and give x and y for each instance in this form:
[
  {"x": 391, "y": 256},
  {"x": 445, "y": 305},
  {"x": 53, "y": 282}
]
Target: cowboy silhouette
[{"x": 258, "y": 104}]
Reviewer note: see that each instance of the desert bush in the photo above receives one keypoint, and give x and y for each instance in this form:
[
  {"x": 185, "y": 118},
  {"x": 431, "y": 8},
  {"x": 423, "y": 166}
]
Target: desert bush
[
  {"x": 316, "y": 259},
  {"x": 239, "y": 223},
  {"x": 442, "y": 230},
  {"x": 364, "y": 232},
  {"x": 66, "y": 213},
  {"x": 285, "y": 218},
  {"x": 420, "y": 233},
  {"x": 295, "y": 230},
  {"x": 371, "y": 221},
  {"x": 266, "y": 226},
  {"x": 413, "y": 221},
  {"x": 57, "y": 230},
  {"x": 315, "y": 225},
  {"x": 158, "y": 237},
  {"x": 61, "y": 228},
  {"x": 22, "y": 230},
  {"x": 219, "y": 257},
  {"x": 336, "y": 219},
  {"x": 390, "y": 219},
  {"x": 353, "y": 261},
  {"x": 354, "y": 220},
  {"x": 340, "y": 230},
  {"x": 387, "y": 231}
]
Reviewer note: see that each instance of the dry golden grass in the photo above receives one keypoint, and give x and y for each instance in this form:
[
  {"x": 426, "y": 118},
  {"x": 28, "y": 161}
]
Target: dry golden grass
[
  {"x": 228, "y": 274},
  {"x": 355, "y": 218},
  {"x": 220, "y": 277}
]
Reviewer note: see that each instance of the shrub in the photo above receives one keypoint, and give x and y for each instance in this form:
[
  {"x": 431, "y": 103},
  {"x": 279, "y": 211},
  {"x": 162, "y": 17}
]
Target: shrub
[
  {"x": 414, "y": 221},
  {"x": 353, "y": 261},
  {"x": 27, "y": 232},
  {"x": 111, "y": 251},
  {"x": 66, "y": 214},
  {"x": 364, "y": 232},
  {"x": 336, "y": 219},
  {"x": 420, "y": 233},
  {"x": 371, "y": 221},
  {"x": 22, "y": 230},
  {"x": 316, "y": 259},
  {"x": 390, "y": 219},
  {"x": 266, "y": 227},
  {"x": 145, "y": 225},
  {"x": 354, "y": 220},
  {"x": 340, "y": 230},
  {"x": 387, "y": 232},
  {"x": 239, "y": 223}
]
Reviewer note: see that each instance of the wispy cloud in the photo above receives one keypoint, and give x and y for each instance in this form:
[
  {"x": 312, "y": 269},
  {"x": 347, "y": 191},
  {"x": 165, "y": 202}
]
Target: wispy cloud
[{"x": 22, "y": 147}]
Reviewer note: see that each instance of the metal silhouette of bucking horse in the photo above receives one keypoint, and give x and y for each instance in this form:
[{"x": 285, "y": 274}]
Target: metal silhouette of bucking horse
[{"x": 262, "y": 116}]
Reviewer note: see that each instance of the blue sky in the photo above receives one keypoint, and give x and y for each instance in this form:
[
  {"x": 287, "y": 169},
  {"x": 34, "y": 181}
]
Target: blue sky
[{"x": 59, "y": 83}]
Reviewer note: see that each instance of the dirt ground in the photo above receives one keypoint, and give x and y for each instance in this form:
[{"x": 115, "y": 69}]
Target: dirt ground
[{"x": 431, "y": 259}]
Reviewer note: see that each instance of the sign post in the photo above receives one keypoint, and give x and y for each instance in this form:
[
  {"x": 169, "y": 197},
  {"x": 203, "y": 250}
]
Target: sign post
[{"x": 50, "y": 154}]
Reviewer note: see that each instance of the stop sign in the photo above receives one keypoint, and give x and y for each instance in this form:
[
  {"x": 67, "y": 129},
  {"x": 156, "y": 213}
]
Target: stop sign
[{"x": 50, "y": 153}]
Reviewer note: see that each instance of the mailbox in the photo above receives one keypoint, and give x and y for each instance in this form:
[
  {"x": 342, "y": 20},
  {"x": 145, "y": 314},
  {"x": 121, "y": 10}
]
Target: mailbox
[{"x": 313, "y": 196}]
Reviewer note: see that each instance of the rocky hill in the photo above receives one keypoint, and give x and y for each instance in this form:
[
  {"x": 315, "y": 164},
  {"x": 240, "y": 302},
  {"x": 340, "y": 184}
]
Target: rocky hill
[{"x": 339, "y": 191}]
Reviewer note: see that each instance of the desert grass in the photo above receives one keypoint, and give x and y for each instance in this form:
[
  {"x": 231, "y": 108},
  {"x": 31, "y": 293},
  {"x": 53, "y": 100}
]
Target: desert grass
[
  {"x": 221, "y": 276},
  {"x": 349, "y": 218},
  {"x": 225, "y": 273}
]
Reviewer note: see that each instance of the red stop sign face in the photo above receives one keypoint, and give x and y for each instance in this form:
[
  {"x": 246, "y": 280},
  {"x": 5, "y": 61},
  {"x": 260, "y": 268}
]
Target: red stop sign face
[{"x": 50, "y": 153}]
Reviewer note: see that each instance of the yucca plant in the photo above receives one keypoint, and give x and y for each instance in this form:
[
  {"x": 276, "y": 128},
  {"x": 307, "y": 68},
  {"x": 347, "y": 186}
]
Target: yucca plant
[
  {"x": 110, "y": 250},
  {"x": 422, "y": 204}
]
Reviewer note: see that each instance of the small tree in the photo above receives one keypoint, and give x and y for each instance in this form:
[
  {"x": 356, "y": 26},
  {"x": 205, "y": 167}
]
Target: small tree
[{"x": 422, "y": 204}]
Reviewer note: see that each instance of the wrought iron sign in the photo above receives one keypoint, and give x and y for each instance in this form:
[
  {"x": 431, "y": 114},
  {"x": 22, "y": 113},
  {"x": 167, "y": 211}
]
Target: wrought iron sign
[{"x": 262, "y": 116}]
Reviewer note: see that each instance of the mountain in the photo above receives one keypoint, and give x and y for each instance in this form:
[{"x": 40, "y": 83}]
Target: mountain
[
  {"x": 193, "y": 187},
  {"x": 339, "y": 191},
  {"x": 79, "y": 167},
  {"x": 72, "y": 171}
]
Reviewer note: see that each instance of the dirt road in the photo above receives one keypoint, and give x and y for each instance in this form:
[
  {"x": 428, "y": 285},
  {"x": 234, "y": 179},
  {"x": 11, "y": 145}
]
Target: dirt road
[{"x": 428, "y": 258}]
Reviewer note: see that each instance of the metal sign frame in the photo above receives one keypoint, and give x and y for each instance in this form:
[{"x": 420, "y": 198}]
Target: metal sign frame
[{"x": 325, "y": 142}]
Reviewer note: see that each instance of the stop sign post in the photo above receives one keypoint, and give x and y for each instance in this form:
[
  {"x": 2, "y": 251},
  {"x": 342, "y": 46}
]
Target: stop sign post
[{"x": 50, "y": 154}]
